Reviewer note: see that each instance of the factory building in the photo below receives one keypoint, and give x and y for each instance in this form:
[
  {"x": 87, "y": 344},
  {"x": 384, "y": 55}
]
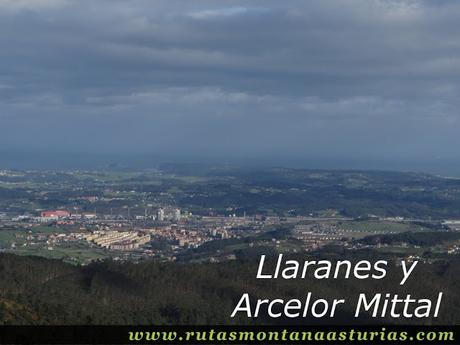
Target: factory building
[
  {"x": 55, "y": 214},
  {"x": 161, "y": 215},
  {"x": 176, "y": 215}
]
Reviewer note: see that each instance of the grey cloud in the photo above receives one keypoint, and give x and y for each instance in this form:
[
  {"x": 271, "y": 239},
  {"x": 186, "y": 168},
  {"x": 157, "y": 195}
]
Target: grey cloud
[{"x": 355, "y": 77}]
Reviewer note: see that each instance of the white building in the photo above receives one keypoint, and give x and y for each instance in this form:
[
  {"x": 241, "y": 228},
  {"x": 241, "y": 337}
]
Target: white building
[
  {"x": 161, "y": 215},
  {"x": 176, "y": 215}
]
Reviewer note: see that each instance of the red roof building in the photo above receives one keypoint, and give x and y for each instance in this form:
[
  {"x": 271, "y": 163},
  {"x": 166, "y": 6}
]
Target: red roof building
[{"x": 55, "y": 214}]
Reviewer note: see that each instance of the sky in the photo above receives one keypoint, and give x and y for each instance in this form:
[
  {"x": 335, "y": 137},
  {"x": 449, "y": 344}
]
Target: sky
[{"x": 362, "y": 83}]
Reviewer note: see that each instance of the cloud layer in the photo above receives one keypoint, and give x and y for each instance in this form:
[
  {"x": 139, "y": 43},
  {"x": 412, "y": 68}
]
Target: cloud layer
[{"x": 353, "y": 78}]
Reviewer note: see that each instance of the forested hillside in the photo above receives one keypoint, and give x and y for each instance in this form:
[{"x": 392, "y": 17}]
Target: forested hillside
[{"x": 40, "y": 291}]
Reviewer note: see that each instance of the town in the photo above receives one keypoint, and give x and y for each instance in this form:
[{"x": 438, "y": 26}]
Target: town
[{"x": 81, "y": 217}]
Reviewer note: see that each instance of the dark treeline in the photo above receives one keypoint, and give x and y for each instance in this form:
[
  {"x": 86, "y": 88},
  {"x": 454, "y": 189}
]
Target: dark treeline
[{"x": 41, "y": 291}]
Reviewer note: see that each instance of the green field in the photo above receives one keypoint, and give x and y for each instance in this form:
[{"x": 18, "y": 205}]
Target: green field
[
  {"x": 75, "y": 252},
  {"x": 380, "y": 227},
  {"x": 7, "y": 237},
  {"x": 77, "y": 255}
]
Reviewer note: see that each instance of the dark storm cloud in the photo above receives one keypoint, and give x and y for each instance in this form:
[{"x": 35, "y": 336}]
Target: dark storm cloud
[{"x": 339, "y": 78}]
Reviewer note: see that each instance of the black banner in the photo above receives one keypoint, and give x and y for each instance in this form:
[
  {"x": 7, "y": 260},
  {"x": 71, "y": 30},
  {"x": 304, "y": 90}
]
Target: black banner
[{"x": 229, "y": 334}]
